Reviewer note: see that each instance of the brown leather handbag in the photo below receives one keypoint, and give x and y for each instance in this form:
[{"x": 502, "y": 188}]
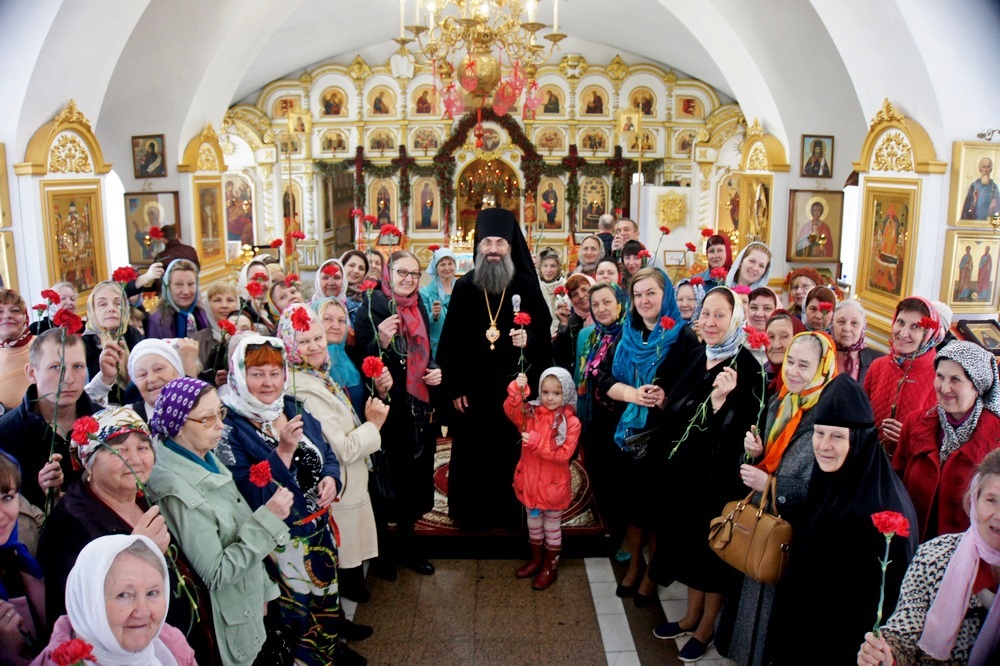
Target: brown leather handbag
[{"x": 752, "y": 540}]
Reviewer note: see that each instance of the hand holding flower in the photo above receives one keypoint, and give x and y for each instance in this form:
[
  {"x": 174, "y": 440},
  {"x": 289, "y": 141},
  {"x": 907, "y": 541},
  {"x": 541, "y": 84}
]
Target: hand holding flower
[
  {"x": 280, "y": 503},
  {"x": 387, "y": 330},
  {"x": 723, "y": 385},
  {"x": 290, "y": 436},
  {"x": 51, "y": 475},
  {"x": 752, "y": 444},
  {"x": 376, "y": 412},
  {"x": 112, "y": 357},
  {"x": 519, "y": 337},
  {"x": 383, "y": 383},
  {"x": 521, "y": 380},
  {"x": 753, "y": 478},
  {"x": 152, "y": 525}
]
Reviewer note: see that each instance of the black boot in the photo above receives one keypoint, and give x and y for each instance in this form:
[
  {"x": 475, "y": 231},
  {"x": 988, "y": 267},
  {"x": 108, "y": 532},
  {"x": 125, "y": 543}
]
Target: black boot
[
  {"x": 345, "y": 656},
  {"x": 352, "y": 584}
]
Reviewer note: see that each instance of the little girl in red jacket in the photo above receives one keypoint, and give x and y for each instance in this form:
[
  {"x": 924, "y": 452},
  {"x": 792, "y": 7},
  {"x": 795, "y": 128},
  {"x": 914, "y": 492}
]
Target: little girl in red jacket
[{"x": 550, "y": 432}]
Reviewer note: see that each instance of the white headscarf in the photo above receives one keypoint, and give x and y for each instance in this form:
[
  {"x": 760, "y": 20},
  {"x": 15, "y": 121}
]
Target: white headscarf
[
  {"x": 241, "y": 283},
  {"x": 239, "y": 398},
  {"x": 734, "y": 271},
  {"x": 318, "y": 294},
  {"x": 158, "y": 347},
  {"x": 86, "y": 608}
]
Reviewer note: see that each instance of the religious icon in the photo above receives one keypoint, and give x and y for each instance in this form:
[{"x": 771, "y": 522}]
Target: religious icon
[
  {"x": 550, "y": 209},
  {"x": 332, "y": 101},
  {"x": 426, "y": 139},
  {"x": 148, "y": 159},
  {"x": 382, "y": 101},
  {"x": 814, "y": 225},
  {"x": 239, "y": 208},
  {"x": 594, "y": 101},
  {"x": 683, "y": 142},
  {"x": 642, "y": 100},
  {"x": 381, "y": 140},
  {"x": 552, "y": 100},
  {"x": 333, "y": 141},
  {"x": 594, "y": 202},
  {"x": 425, "y": 101},
  {"x": 817, "y": 156},
  {"x": 144, "y": 210},
  {"x": 689, "y": 107},
  {"x": 284, "y": 105},
  {"x": 594, "y": 140},
  {"x": 382, "y": 201},
  {"x": 425, "y": 205},
  {"x": 550, "y": 139}
]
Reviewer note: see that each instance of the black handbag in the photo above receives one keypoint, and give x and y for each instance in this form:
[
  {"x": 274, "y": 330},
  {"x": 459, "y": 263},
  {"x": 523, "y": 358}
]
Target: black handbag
[
  {"x": 379, "y": 481},
  {"x": 279, "y": 647},
  {"x": 638, "y": 444}
]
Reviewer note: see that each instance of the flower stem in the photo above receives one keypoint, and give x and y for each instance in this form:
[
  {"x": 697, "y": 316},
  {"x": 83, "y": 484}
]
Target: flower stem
[{"x": 881, "y": 593}]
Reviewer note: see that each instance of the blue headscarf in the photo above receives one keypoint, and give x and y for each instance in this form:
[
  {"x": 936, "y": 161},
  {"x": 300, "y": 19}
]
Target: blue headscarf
[
  {"x": 342, "y": 369},
  {"x": 435, "y": 292},
  {"x": 24, "y": 557},
  {"x": 637, "y": 360}
]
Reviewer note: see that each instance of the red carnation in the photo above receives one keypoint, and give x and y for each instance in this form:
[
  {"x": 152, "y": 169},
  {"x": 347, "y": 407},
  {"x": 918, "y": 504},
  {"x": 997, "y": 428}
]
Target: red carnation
[
  {"x": 83, "y": 427},
  {"x": 522, "y": 319},
  {"x": 742, "y": 289},
  {"x": 546, "y": 206},
  {"x": 40, "y": 307},
  {"x": 292, "y": 279},
  {"x": 691, "y": 247},
  {"x": 891, "y": 522},
  {"x": 826, "y": 307},
  {"x": 707, "y": 233},
  {"x": 298, "y": 235},
  {"x": 667, "y": 323},
  {"x": 52, "y": 296},
  {"x": 300, "y": 319},
  {"x": 155, "y": 233},
  {"x": 330, "y": 269},
  {"x": 124, "y": 275},
  {"x": 68, "y": 320},
  {"x": 370, "y": 219},
  {"x": 665, "y": 230},
  {"x": 618, "y": 212},
  {"x": 372, "y": 367},
  {"x": 756, "y": 339},
  {"x": 260, "y": 474},
  {"x": 718, "y": 273},
  {"x": 277, "y": 242},
  {"x": 73, "y": 652},
  {"x": 644, "y": 254},
  {"x": 697, "y": 279},
  {"x": 391, "y": 230},
  {"x": 226, "y": 326},
  {"x": 256, "y": 289},
  {"x": 367, "y": 285},
  {"x": 433, "y": 247},
  {"x": 357, "y": 212},
  {"x": 560, "y": 290},
  {"x": 928, "y": 324}
]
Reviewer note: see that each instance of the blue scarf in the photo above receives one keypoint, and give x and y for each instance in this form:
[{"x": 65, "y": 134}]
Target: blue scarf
[
  {"x": 208, "y": 462},
  {"x": 342, "y": 370},
  {"x": 636, "y": 361},
  {"x": 28, "y": 563}
]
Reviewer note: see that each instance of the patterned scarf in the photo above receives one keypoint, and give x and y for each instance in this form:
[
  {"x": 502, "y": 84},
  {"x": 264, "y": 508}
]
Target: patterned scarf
[
  {"x": 559, "y": 422},
  {"x": 981, "y": 368},
  {"x": 185, "y": 322},
  {"x": 794, "y": 405},
  {"x": 238, "y": 397},
  {"x": 23, "y": 338},
  {"x": 735, "y": 335},
  {"x": 418, "y": 343},
  {"x": 931, "y": 338},
  {"x": 851, "y": 358},
  {"x": 601, "y": 339}
]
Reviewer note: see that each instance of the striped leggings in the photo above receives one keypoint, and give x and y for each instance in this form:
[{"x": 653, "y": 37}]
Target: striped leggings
[{"x": 547, "y": 526}]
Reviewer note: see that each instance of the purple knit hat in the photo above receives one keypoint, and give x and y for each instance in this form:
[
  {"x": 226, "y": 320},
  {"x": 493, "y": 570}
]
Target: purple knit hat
[{"x": 177, "y": 399}]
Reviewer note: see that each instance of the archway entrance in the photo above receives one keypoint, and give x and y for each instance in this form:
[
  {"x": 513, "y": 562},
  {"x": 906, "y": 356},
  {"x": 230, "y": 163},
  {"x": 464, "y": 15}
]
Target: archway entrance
[{"x": 486, "y": 178}]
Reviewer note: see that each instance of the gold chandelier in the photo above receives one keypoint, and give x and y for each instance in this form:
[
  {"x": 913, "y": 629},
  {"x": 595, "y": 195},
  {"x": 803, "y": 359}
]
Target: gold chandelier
[{"x": 487, "y": 32}]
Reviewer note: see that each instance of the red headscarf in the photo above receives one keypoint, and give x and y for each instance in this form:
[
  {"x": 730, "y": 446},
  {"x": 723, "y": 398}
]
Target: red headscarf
[{"x": 717, "y": 239}]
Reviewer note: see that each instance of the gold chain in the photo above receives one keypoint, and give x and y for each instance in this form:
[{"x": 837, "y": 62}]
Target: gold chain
[{"x": 493, "y": 320}]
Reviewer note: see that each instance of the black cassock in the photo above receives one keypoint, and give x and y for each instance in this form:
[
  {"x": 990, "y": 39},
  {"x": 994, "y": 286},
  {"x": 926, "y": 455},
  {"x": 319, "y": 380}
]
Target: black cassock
[{"x": 485, "y": 445}]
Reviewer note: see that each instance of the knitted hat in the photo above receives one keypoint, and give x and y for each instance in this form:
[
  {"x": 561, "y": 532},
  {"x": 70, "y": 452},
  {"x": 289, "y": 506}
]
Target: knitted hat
[
  {"x": 158, "y": 347},
  {"x": 844, "y": 404},
  {"x": 177, "y": 399}
]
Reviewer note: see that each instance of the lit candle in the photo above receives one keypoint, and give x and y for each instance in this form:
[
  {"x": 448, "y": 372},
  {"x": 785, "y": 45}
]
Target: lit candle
[
  {"x": 402, "y": 4},
  {"x": 555, "y": 19}
]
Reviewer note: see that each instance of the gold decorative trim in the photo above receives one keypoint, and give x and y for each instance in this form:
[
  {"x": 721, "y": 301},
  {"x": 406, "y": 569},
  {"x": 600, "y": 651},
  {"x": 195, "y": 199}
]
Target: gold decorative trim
[
  {"x": 672, "y": 209},
  {"x": 755, "y": 129},
  {"x": 207, "y": 161},
  {"x": 42, "y": 147},
  {"x": 195, "y": 159},
  {"x": 69, "y": 154},
  {"x": 923, "y": 157},
  {"x": 359, "y": 69},
  {"x": 670, "y": 77},
  {"x": 887, "y": 114},
  {"x": 893, "y": 153},
  {"x": 71, "y": 114},
  {"x": 757, "y": 158},
  {"x": 573, "y": 66},
  {"x": 617, "y": 70},
  {"x": 773, "y": 158}
]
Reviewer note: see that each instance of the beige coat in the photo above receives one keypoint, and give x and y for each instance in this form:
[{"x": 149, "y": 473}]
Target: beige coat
[{"x": 353, "y": 511}]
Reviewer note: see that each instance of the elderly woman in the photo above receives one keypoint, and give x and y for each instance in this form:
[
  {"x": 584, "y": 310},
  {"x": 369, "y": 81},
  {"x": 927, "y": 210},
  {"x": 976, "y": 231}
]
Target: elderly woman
[
  {"x": 67, "y": 301},
  {"x": 351, "y": 440},
  {"x": 591, "y": 251},
  {"x": 810, "y": 363},
  {"x": 550, "y": 278},
  {"x": 781, "y": 328},
  {"x": 22, "y": 593},
  {"x": 800, "y": 282},
  {"x": 394, "y": 323},
  {"x": 330, "y": 283},
  {"x": 940, "y": 448},
  {"x": 356, "y": 270},
  {"x": 751, "y": 267},
  {"x": 818, "y": 312},
  {"x": 266, "y": 426},
  {"x": 108, "y": 339},
  {"x": 223, "y": 300},
  {"x": 437, "y": 294},
  {"x": 572, "y": 319},
  {"x": 15, "y": 337},
  {"x": 720, "y": 255},
  {"x": 903, "y": 382},
  {"x": 942, "y": 614},
  {"x": 701, "y": 464},
  {"x": 117, "y": 603},
  {"x": 849, "y": 326},
  {"x": 179, "y": 314},
  {"x": 224, "y": 540},
  {"x": 650, "y": 346},
  {"x": 690, "y": 293},
  {"x": 255, "y": 307},
  {"x": 153, "y": 363},
  {"x": 333, "y": 317},
  {"x": 608, "y": 271},
  {"x": 851, "y": 480},
  {"x": 280, "y": 296},
  {"x": 761, "y": 302},
  {"x": 118, "y": 458}
]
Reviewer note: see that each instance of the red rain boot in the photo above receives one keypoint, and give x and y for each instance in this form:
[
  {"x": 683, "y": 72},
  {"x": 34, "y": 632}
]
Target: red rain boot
[
  {"x": 549, "y": 571},
  {"x": 534, "y": 565}
]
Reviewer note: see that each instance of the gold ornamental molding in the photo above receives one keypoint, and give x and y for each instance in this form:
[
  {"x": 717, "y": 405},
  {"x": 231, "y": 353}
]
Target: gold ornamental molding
[
  {"x": 897, "y": 143},
  {"x": 762, "y": 151},
  {"x": 359, "y": 69},
  {"x": 672, "y": 209},
  {"x": 573, "y": 66},
  {"x": 617, "y": 70},
  {"x": 64, "y": 145},
  {"x": 203, "y": 153}
]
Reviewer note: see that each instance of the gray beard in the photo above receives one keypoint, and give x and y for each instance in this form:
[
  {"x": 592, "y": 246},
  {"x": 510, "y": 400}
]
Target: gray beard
[{"x": 493, "y": 277}]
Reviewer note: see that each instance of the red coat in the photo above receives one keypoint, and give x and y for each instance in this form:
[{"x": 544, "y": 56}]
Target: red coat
[
  {"x": 917, "y": 395},
  {"x": 542, "y": 478},
  {"x": 918, "y": 462}
]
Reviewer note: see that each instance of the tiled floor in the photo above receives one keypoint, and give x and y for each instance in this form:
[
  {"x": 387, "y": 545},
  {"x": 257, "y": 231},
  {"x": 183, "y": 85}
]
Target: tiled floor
[{"x": 473, "y": 612}]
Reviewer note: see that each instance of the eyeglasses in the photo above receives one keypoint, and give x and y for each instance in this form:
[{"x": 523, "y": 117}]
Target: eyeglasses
[
  {"x": 499, "y": 244},
  {"x": 408, "y": 274},
  {"x": 209, "y": 420}
]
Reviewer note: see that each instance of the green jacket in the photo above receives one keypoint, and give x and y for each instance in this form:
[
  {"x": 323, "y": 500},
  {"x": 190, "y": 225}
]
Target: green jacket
[{"x": 226, "y": 544}]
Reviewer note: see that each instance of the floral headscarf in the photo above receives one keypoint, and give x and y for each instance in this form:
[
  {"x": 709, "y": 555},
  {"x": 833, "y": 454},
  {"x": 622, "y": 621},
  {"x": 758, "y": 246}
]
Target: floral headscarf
[
  {"x": 112, "y": 422},
  {"x": 569, "y": 400},
  {"x": 735, "y": 335},
  {"x": 238, "y": 397},
  {"x": 980, "y": 366},
  {"x": 932, "y": 338}
]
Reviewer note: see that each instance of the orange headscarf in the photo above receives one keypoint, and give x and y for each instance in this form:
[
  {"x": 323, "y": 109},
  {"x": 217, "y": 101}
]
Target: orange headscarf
[{"x": 794, "y": 405}]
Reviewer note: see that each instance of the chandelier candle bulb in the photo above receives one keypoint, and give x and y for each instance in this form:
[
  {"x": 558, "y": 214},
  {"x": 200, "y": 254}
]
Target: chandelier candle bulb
[
  {"x": 555, "y": 18},
  {"x": 402, "y": 20},
  {"x": 532, "y": 7}
]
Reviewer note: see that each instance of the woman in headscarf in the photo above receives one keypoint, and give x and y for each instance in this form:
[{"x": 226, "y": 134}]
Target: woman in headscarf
[
  {"x": 330, "y": 283},
  {"x": 700, "y": 461},
  {"x": 333, "y": 316},
  {"x": 224, "y": 540},
  {"x": 179, "y": 314},
  {"x": 690, "y": 295},
  {"x": 947, "y": 610},
  {"x": 437, "y": 294},
  {"x": 941, "y": 447},
  {"x": 800, "y": 282},
  {"x": 22, "y": 592},
  {"x": 572, "y": 316},
  {"x": 810, "y": 363},
  {"x": 591, "y": 251},
  {"x": 15, "y": 338},
  {"x": 117, "y": 603},
  {"x": 108, "y": 338},
  {"x": 151, "y": 365},
  {"x": 651, "y": 345},
  {"x": 393, "y": 323},
  {"x": 833, "y": 578},
  {"x": 550, "y": 278},
  {"x": 355, "y": 265},
  {"x": 853, "y": 354},
  {"x": 720, "y": 255},
  {"x": 254, "y": 306},
  {"x": 751, "y": 267},
  {"x": 350, "y": 440},
  {"x": 903, "y": 381},
  {"x": 781, "y": 328},
  {"x": 819, "y": 305}
]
